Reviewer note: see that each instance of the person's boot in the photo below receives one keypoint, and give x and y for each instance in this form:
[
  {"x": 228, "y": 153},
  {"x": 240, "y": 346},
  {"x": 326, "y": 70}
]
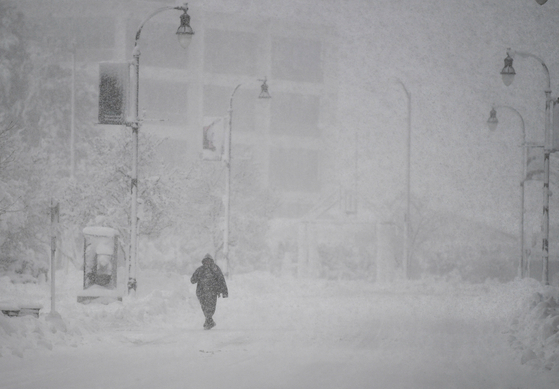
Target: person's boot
[{"x": 211, "y": 324}]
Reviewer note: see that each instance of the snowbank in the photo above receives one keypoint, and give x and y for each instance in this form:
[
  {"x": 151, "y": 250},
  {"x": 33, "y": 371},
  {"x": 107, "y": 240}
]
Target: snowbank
[
  {"x": 74, "y": 324},
  {"x": 534, "y": 332},
  {"x": 528, "y": 311}
]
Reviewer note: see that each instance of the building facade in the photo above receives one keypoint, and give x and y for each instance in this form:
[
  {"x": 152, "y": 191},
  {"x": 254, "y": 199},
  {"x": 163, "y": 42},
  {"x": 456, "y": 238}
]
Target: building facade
[{"x": 180, "y": 90}]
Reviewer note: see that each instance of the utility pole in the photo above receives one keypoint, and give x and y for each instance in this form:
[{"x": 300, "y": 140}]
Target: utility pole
[
  {"x": 73, "y": 115},
  {"x": 54, "y": 219},
  {"x": 406, "y": 256}
]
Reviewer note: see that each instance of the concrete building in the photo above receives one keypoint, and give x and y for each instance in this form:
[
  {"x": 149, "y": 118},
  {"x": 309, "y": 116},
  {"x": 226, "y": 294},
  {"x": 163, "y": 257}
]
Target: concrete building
[{"x": 181, "y": 90}]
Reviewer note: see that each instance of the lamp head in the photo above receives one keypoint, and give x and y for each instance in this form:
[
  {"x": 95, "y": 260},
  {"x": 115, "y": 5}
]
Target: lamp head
[
  {"x": 264, "y": 94},
  {"x": 185, "y": 32},
  {"x": 508, "y": 71},
  {"x": 541, "y": 2},
  {"x": 492, "y": 121}
]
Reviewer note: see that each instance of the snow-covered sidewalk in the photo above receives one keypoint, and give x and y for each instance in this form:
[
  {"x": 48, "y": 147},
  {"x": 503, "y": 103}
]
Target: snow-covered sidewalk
[{"x": 286, "y": 333}]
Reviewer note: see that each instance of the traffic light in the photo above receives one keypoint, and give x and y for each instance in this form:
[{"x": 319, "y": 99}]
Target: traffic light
[{"x": 114, "y": 82}]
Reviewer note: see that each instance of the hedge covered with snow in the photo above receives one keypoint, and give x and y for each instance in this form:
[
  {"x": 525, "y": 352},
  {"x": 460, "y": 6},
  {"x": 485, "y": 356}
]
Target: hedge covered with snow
[{"x": 534, "y": 332}]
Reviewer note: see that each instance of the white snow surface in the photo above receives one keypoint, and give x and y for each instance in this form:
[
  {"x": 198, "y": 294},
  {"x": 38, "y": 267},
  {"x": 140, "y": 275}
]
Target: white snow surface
[{"x": 277, "y": 332}]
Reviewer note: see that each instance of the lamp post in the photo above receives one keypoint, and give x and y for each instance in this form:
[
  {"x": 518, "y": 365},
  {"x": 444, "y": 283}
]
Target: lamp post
[
  {"x": 184, "y": 35},
  {"x": 264, "y": 94},
  {"x": 508, "y": 74},
  {"x": 492, "y": 124},
  {"x": 406, "y": 255}
]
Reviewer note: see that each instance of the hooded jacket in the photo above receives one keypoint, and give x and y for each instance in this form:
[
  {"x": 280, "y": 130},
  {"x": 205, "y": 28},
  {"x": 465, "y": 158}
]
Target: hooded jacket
[{"x": 209, "y": 278}]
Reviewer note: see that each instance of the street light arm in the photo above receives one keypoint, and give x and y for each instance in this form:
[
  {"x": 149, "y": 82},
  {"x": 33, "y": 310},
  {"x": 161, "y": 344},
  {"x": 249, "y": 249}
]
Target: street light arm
[
  {"x": 228, "y": 145},
  {"x": 233, "y": 95},
  {"x": 404, "y": 87},
  {"x": 524, "y": 54},
  {"x": 264, "y": 94},
  {"x": 183, "y": 8},
  {"x": 519, "y": 116}
]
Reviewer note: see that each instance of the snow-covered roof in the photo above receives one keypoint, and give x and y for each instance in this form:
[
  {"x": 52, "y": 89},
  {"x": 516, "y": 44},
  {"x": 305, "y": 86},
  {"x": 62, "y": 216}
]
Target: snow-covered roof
[
  {"x": 104, "y": 248},
  {"x": 100, "y": 231}
]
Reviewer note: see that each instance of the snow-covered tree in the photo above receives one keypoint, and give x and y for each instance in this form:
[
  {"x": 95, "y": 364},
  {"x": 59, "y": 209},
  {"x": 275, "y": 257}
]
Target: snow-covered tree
[{"x": 35, "y": 125}]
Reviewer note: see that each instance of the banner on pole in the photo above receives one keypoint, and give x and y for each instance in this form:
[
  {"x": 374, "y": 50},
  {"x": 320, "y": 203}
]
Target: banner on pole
[
  {"x": 54, "y": 220},
  {"x": 213, "y": 144},
  {"x": 555, "y": 126},
  {"x": 114, "y": 79},
  {"x": 534, "y": 164}
]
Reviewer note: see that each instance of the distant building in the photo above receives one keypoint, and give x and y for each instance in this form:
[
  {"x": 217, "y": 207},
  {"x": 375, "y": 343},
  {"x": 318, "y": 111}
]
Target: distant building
[{"x": 180, "y": 89}]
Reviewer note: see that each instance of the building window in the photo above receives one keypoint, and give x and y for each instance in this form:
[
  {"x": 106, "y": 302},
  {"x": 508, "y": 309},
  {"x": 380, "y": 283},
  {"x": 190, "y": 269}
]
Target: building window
[
  {"x": 295, "y": 115},
  {"x": 94, "y": 37},
  {"x": 242, "y": 152},
  {"x": 163, "y": 100},
  {"x": 230, "y": 52},
  {"x": 296, "y": 59},
  {"x": 216, "y": 104},
  {"x": 294, "y": 170},
  {"x": 173, "y": 152},
  {"x": 91, "y": 32}
]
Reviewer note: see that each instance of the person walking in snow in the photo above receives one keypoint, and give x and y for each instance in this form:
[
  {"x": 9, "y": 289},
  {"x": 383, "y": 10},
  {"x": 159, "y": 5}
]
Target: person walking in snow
[{"x": 211, "y": 284}]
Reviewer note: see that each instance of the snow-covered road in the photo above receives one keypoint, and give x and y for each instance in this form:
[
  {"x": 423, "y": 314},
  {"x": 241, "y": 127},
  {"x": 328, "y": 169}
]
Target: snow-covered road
[{"x": 298, "y": 335}]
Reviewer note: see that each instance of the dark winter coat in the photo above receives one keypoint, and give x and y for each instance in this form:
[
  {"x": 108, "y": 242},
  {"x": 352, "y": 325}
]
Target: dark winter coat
[{"x": 210, "y": 279}]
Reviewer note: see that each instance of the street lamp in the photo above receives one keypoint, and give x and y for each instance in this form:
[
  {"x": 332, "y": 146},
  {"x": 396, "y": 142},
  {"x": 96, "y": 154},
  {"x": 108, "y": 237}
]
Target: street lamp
[
  {"x": 492, "y": 123},
  {"x": 184, "y": 34},
  {"x": 264, "y": 94},
  {"x": 508, "y": 71},
  {"x": 547, "y": 151}
]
